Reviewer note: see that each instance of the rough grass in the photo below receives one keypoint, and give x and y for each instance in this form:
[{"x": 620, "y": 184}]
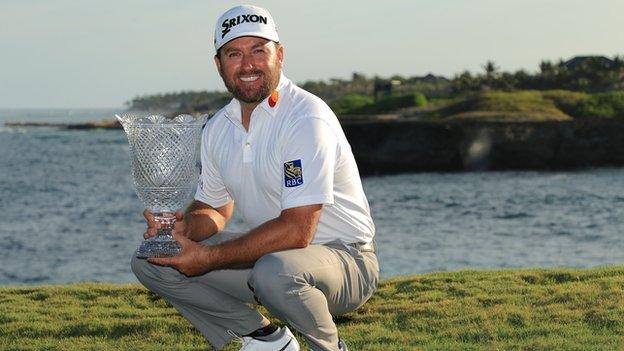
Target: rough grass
[
  {"x": 536, "y": 309},
  {"x": 512, "y": 106}
]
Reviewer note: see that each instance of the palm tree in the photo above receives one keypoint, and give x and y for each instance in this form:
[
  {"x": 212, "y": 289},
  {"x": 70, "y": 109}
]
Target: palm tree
[{"x": 491, "y": 70}]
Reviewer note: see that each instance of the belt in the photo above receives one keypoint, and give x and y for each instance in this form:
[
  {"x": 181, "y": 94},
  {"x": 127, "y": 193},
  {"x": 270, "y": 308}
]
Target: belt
[{"x": 364, "y": 247}]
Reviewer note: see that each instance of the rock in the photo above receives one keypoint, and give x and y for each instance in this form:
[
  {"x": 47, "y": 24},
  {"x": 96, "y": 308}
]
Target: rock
[
  {"x": 395, "y": 145},
  {"x": 415, "y": 146},
  {"x": 101, "y": 124}
]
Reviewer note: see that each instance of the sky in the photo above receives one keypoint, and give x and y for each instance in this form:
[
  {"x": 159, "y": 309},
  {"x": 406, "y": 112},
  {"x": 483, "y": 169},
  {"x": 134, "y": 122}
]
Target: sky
[{"x": 100, "y": 54}]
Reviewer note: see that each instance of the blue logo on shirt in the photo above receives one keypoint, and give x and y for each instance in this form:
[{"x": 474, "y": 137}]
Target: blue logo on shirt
[{"x": 293, "y": 173}]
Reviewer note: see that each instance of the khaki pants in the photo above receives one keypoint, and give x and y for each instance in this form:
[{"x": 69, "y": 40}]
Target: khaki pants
[{"x": 301, "y": 287}]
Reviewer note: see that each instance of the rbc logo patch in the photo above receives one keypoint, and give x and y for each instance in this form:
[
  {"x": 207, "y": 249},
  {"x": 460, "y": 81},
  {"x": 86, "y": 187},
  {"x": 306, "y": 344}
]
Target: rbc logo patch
[{"x": 293, "y": 173}]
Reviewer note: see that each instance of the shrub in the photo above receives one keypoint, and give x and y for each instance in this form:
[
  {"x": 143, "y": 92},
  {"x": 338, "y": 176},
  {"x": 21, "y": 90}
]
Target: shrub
[
  {"x": 350, "y": 102},
  {"x": 608, "y": 105}
]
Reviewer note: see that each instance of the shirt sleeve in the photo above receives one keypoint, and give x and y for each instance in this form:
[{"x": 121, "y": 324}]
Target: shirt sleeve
[
  {"x": 211, "y": 189},
  {"x": 308, "y": 161}
]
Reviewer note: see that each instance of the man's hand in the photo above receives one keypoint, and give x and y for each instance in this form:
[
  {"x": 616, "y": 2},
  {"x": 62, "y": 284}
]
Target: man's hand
[
  {"x": 153, "y": 225},
  {"x": 194, "y": 259}
]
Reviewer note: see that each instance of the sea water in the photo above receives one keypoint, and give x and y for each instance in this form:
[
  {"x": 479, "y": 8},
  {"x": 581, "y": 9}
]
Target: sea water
[{"x": 69, "y": 212}]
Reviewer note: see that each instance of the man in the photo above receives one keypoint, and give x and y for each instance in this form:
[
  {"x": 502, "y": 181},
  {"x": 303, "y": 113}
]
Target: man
[{"x": 279, "y": 154}]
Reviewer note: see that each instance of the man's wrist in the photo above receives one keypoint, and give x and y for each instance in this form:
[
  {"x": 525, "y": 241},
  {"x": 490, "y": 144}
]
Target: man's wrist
[{"x": 213, "y": 256}]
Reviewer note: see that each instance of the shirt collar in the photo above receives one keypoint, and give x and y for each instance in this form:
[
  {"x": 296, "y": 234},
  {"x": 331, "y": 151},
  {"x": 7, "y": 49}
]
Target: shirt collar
[
  {"x": 233, "y": 108},
  {"x": 233, "y": 112},
  {"x": 265, "y": 103}
]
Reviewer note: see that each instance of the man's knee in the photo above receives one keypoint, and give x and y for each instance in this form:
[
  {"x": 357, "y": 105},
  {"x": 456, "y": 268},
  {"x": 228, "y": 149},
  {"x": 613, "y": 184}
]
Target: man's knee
[
  {"x": 150, "y": 275},
  {"x": 273, "y": 276},
  {"x": 138, "y": 267}
]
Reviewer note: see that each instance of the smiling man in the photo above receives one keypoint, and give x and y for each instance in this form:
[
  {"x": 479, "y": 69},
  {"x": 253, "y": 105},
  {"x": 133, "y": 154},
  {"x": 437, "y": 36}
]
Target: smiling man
[{"x": 279, "y": 154}]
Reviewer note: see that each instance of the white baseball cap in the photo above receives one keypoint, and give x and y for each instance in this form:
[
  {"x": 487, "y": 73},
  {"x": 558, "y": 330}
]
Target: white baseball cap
[{"x": 244, "y": 20}]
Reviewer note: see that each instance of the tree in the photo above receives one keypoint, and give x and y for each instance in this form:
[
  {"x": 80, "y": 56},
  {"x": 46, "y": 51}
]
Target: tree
[{"x": 491, "y": 70}]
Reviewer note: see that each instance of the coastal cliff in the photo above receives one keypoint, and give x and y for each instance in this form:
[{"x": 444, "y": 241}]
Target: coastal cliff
[{"x": 382, "y": 147}]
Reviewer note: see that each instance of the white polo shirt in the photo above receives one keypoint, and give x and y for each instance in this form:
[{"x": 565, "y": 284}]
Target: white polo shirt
[{"x": 294, "y": 154}]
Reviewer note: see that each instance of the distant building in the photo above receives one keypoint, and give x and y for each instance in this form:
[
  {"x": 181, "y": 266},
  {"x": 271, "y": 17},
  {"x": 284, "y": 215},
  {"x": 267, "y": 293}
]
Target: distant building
[
  {"x": 384, "y": 87},
  {"x": 430, "y": 78},
  {"x": 577, "y": 61},
  {"x": 389, "y": 86}
]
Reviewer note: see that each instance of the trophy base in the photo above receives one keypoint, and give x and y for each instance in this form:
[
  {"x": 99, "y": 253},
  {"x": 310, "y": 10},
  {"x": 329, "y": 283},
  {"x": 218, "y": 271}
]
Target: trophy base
[{"x": 159, "y": 246}]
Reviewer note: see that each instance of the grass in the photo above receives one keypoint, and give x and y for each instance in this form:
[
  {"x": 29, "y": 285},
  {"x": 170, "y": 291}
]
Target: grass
[
  {"x": 528, "y": 105},
  {"x": 534, "y": 309}
]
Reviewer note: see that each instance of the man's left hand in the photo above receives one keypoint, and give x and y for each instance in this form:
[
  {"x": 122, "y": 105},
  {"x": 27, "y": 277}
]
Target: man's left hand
[{"x": 194, "y": 258}]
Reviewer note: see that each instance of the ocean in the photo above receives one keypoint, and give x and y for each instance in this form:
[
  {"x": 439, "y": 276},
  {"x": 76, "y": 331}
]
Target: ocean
[{"x": 69, "y": 212}]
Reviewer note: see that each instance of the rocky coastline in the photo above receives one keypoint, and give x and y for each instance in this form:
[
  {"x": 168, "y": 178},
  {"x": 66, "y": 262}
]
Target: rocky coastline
[
  {"x": 398, "y": 145},
  {"x": 99, "y": 124}
]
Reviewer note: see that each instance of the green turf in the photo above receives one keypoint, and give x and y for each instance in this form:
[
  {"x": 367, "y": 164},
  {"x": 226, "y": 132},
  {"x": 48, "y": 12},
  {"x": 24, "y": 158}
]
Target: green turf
[
  {"x": 529, "y": 105},
  {"x": 536, "y": 309}
]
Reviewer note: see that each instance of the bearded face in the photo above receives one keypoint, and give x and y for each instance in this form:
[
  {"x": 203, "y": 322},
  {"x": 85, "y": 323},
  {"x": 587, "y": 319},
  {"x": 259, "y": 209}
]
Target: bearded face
[{"x": 250, "y": 67}]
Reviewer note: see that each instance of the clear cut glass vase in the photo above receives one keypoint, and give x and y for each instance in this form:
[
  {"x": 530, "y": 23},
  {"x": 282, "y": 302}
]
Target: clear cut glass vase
[{"x": 164, "y": 156}]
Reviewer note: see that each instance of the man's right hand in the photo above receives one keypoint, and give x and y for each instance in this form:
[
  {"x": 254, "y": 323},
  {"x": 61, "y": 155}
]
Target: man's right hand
[{"x": 153, "y": 225}]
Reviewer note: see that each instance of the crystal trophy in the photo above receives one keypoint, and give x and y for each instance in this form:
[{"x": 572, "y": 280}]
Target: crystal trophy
[{"x": 164, "y": 154}]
